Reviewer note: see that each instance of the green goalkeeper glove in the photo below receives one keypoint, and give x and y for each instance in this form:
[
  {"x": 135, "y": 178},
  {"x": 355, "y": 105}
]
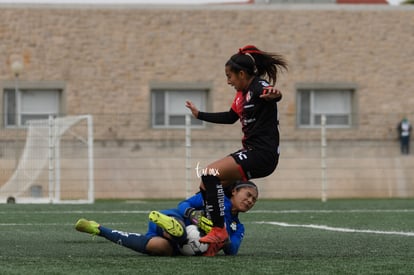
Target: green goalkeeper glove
[{"x": 197, "y": 218}]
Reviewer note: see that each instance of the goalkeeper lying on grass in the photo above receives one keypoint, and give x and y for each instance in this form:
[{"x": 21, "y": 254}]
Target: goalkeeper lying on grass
[{"x": 166, "y": 230}]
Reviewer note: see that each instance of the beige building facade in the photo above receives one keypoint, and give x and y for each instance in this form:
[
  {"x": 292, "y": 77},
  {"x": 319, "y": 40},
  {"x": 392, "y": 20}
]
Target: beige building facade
[{"x": 108, "y": 61}]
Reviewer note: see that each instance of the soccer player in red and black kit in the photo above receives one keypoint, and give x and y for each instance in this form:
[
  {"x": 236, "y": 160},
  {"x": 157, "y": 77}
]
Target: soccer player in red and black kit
[{"x": 255, "y": 105}]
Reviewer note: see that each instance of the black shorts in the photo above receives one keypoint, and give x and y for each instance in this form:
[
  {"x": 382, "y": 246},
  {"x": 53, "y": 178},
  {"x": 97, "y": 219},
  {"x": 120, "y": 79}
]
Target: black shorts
[{"x": 256, "y": 163}]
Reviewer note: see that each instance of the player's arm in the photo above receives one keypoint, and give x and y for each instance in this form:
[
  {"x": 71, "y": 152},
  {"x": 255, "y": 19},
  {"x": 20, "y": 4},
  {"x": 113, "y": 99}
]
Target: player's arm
[
  {"x": 271, "y": 93},
  {"x": 235, "y": 240},
  {"x": 229, "y": 117},
  {"x": 192, "y": 209},
  {"x": 196, "y": 202}
]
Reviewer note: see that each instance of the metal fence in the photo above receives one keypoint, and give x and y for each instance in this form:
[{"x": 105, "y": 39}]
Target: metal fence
[{"x": 162, "y": 163}]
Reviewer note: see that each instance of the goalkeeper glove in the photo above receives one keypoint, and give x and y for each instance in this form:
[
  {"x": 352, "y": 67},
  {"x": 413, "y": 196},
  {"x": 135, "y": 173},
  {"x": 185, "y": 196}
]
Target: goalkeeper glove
[{"x": 197, "y": 218}]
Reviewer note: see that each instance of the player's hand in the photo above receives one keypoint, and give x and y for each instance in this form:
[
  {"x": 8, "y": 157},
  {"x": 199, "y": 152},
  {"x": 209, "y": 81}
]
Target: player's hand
[
  {"x": 197, "y": 217},
  {"x": 190, "y": 105},
  {"x": 205, "y": 224},
  {"x": 270, "y": 93}
]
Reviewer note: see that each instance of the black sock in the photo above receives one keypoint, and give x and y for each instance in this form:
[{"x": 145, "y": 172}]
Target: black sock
[
  {"x": 214, "y": 199},
  {"x": 133, "y": 241},
  {"x": 203, "y": 194}
]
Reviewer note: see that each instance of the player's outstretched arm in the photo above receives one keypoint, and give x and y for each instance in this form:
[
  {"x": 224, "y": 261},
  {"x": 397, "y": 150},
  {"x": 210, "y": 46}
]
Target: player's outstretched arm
[
  {"x": 190, "y": 105},
  {"x": 271, "y": 93}
]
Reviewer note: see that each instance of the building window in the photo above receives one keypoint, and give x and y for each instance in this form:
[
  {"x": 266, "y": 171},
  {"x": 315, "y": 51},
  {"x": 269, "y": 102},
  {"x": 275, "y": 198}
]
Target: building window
[
  {"x": 335, "y": 103},
  {"x": 168, "y": 106},
  {"x": 28, "y": 104}
]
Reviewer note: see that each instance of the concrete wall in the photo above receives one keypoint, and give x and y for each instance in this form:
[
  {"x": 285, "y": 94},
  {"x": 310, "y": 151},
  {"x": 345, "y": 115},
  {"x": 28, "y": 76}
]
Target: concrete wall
[{"x": 106, "y": 58}]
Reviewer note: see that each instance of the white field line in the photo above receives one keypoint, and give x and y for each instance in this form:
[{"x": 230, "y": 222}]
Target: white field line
[
  {"x": 80, "y": 212},
  {"x": 282, "y": 224},
  {"x": 8, "y": 212},
  {"x": 339, "y": 229},
  {"x": 334, "y": 211},
  {"x": 56, "y": 224}
]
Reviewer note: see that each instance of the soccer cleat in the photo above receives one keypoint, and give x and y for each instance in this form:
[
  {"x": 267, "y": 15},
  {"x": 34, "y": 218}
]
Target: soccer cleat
[
  {"x": 91, "y": 227},
  {"x": 169, "y": 224},
  {"x": 213, "y": 249},
  {"x": 217, "y": 235}
]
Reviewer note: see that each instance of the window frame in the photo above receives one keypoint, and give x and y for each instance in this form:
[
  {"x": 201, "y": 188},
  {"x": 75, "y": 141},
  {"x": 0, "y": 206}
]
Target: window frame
[
  {"x": 167, "y": 90},
  {"x": 312, "y": 89},
  {"x": 19, "y": 88}
]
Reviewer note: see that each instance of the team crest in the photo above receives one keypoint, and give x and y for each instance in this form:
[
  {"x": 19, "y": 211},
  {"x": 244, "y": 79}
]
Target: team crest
[
  {"x": 248, "y": 96},
  {"x": 233, "y": 226}
]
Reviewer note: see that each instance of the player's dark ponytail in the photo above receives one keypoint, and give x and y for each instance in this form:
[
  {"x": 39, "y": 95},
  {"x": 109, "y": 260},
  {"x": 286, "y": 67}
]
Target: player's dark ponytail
[{"x": 256, "y": 62}]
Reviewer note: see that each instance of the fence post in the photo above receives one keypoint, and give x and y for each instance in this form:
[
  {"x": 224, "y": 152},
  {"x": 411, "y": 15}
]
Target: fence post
[
  {"x": 323, "y": 158},
  {"x": 187, "y": 155},
  {"x": 91, "y": 184},
  {"x": 51, "y": 150}
]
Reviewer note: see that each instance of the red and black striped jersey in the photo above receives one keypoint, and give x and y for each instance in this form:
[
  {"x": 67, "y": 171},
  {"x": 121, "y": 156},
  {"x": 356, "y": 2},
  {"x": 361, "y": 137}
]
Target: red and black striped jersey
[{"x": 258, "y": 117}]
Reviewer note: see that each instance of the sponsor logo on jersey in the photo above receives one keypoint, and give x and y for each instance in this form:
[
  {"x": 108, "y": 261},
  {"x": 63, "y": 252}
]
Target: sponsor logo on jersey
[{"x": 247, "y": 121}]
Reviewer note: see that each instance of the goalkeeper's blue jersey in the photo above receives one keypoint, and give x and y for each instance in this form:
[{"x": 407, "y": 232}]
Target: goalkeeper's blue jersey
[{"x": 233, "y": 225}]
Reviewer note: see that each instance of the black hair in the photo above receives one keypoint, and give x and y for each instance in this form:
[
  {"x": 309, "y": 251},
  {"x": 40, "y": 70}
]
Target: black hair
[
  {"x": 239, "y": 184},
  {"x": 256, "y": 62}
]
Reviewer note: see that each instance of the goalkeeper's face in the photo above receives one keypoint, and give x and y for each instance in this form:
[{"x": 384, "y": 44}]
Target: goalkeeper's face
[{"x": 243, "y": 199}]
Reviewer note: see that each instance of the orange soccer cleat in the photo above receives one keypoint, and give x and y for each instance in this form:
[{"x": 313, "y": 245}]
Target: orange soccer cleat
[
  {"x": 216, "y": 235},
  {"x": 213, "y": 249}
]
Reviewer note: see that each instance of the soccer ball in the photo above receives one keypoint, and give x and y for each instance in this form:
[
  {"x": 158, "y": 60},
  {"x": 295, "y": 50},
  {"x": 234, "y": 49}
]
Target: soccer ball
[{"x": 192, "y": 247}]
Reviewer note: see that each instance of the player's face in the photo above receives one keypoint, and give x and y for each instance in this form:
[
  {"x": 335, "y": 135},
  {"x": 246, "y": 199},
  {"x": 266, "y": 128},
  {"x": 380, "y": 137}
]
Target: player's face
[
  {"x": 244, "y": 199},
  {"x": 234, "y": 79}
]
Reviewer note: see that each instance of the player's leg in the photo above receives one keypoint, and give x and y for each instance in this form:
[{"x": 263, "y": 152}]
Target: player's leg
[
  {"x": 134, "y": 241},
  {"x": 171, "y": 225},
  {"x": 241, "y": 165},
  {"x": 223, "y": 172},
  {"x": 158, "y": 246}
]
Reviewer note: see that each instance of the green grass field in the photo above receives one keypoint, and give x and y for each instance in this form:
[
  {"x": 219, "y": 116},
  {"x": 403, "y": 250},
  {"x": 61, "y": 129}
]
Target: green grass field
[{"x": 282, "y": 237}]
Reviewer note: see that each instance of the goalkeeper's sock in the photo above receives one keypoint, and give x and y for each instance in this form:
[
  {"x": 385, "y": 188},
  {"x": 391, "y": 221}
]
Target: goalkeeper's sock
[
  {"x": 134, "y": 241},
  {"x": 214, "y": 199}
]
